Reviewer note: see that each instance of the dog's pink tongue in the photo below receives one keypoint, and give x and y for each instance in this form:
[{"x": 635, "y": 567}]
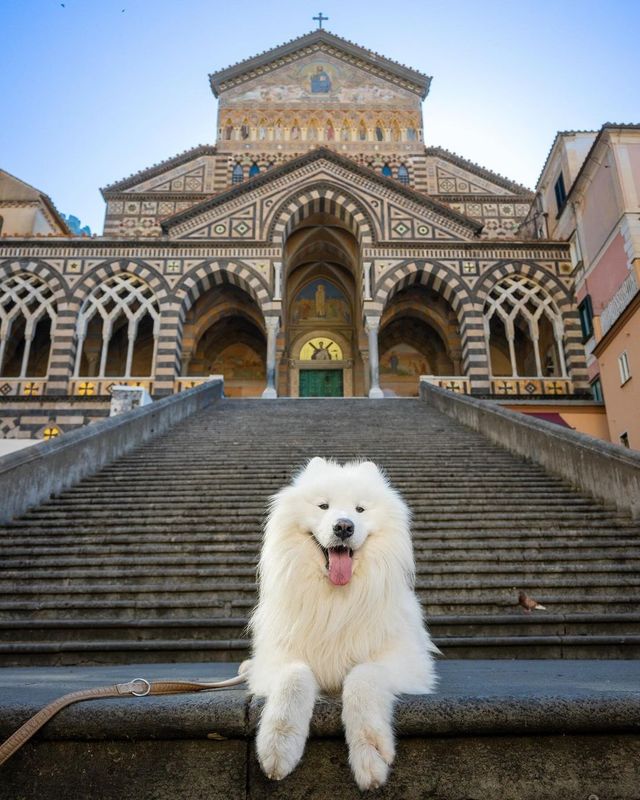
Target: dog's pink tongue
[{"x": 340, "y": 564}]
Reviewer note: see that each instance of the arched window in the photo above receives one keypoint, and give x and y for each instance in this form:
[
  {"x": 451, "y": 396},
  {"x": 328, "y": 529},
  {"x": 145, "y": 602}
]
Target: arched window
[
  {"x": 329, "y": 132},
  {"x": 362, "y": 131},
  {"x": 403, "y": 174},
  {"x": 117, "y": 329},
  {"x": 237, "y": 174},
  {"x": 379, "y": 132},
  {"x": 411, "y": 135},
  {"x": 386, "y": 170},
  {"x": 262, "y": 130},
  {"x": 524, "y": 330},
  {"x": 245, "y": 130},
  {"x": 395, "y": 132},
  {"x": 228, "y": 130},
  {"x": 345, "y": 131},
  {"x": 277, "y": 131},
  {"x": 295, "y": 131},
  {"x": 254, "y": 169},
  {"x": 27, "y": 323}
]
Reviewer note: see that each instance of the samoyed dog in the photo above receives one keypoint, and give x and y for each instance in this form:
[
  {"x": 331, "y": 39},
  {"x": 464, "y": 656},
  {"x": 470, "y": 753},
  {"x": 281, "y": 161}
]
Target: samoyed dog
[{"x": 336, "y": 613}]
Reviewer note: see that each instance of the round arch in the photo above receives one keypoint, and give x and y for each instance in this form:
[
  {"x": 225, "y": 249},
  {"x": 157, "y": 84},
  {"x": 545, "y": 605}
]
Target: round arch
[
  {"x": 431, "y": 275},
  {"x": 212, "y": 273},
  {"x": 326, "y": 198}
]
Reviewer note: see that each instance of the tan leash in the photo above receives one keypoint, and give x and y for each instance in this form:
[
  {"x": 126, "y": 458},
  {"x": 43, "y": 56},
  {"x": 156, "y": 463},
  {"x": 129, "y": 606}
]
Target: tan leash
[{"x": 138, "y": 687}]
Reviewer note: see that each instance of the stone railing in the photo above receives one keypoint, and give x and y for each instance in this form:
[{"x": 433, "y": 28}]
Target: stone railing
[
  {"x": 31, "y": 476},
  {"x": 606, "y": 471},
  {"x": 22, "y": 387},
  {"x": 619, "y": 302},
  {"x": 454, "y": 383}
]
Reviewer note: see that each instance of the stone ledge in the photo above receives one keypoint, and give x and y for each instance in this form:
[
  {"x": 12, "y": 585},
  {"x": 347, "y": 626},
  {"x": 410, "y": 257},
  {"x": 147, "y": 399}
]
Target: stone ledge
[
  {"x": 477, "y": 736},
  {"x": 474, "y": 698}
]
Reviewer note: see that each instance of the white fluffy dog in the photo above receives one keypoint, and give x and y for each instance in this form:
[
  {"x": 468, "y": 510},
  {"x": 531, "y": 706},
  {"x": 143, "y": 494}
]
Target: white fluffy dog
[{"x": 337, "y": 611}]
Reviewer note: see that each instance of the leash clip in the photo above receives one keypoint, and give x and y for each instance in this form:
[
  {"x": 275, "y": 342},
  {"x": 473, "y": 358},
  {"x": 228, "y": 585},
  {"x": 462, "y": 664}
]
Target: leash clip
[{"x": 129, "y": 688}]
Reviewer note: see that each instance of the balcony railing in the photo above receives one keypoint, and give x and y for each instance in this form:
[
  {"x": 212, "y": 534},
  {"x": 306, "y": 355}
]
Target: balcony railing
[
  {"x": 619, "y": 302},
  {"x": 454, "y": 383},
  {"x": 22, "y": 387},
  {"x": 531, "y": 387},
  {"x": 91, "y": 387}
]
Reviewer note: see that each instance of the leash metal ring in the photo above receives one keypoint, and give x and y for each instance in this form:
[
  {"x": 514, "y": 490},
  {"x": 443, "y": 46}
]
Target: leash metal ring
[{"x": 145, "y": 691}]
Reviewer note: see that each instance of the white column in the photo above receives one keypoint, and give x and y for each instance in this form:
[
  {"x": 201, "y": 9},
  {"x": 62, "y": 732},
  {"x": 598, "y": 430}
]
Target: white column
[
  {"x": 512, "y": 350},
  {"x": 131, "y": 336},
  {"x": 3, "y": 343},
  {"x": 558, "y": 331},
  {"x": 277, "y": 280},
  {"x": 25, "y": 356},
  {"x": 273, "y": 326},
  {"x": 536, "y": 353},
  {"x": 372, "y": 327},
  {"x": 367, "y": 280},
  {"x": 106, "y": 338}
]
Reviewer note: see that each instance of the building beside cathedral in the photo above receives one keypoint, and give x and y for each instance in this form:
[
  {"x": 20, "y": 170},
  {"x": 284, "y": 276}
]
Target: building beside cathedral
[{"x": 320, "y": 248}]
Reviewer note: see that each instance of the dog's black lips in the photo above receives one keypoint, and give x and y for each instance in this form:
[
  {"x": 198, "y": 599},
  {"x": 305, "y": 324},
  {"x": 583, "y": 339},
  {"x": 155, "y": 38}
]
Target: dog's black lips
[{"x": 325, "y": 551}]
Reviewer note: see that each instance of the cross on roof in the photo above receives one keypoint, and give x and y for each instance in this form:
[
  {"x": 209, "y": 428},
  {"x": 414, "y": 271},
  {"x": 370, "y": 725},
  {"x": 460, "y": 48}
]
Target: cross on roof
[{"x": 320, "y": 19}]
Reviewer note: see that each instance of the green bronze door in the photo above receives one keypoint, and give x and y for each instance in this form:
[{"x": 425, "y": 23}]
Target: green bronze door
[{"x": 320, "y": 383}]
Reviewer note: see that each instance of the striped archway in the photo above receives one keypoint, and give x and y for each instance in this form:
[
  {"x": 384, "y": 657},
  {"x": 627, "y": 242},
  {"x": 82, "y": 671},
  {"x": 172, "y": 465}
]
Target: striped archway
[
  {"x": 327, "y": 198},
  {"x": 448, "y": 284}
]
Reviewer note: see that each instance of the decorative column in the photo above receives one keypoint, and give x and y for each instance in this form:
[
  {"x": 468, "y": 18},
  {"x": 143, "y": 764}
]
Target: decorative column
[
  {"x": 273, "y": 326},
  {"x": 372, "y": 326}
]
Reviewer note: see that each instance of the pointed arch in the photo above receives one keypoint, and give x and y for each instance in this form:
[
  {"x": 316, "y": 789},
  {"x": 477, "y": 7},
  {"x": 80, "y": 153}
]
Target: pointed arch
[
  {"x": 115, "y": 316},
  {"x": 28, "y": 316}
]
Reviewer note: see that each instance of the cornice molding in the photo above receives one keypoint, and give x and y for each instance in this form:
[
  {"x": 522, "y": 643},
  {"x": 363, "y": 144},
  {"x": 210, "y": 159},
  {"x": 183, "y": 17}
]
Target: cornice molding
[
  {"x": 158, "y": 169},
  {"x": 481, "y": 172},
  {"x": 311, "y": 42},
  {"x": 321, "y": 153}
]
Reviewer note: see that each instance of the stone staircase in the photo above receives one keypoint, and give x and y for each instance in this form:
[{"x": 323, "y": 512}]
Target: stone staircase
[{"x": 153, "y": 559}]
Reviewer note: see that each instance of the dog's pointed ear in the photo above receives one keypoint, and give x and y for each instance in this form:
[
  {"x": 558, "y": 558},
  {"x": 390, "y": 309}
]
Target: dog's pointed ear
[
  {"x": 370, "y": 467},
  {"x": 315, "y": 463}
]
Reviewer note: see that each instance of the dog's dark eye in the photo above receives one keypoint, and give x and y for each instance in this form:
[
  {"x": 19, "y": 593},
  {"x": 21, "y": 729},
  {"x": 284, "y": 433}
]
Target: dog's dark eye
[
  {"x": 324, "y": 506},
  {"x": 359, "y": 509}
]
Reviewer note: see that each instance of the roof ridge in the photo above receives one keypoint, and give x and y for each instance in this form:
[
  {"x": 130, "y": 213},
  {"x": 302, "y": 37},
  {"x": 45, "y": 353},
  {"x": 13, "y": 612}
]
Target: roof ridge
[
  {"x": 45, "y": 198},
  {"x": 489, "y": 174},
  {"x": 319, "y": 34},
  {"x": 159, "y": 167}
]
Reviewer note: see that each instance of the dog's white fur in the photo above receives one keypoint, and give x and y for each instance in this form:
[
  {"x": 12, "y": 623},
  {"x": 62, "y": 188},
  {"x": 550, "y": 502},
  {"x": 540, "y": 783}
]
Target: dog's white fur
[{"x": 366, "y": 638}]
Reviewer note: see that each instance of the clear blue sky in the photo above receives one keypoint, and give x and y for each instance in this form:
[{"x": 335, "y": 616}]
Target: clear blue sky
[{"x": 90, "y": 94}]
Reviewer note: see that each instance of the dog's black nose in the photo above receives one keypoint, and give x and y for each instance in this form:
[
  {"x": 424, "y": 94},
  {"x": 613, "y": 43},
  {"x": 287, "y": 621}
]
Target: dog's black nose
[{"x": 343, "y": 529}]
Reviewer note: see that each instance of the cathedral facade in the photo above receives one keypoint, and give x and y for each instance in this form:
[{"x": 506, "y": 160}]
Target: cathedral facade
[{"x": 319, "y": 248}]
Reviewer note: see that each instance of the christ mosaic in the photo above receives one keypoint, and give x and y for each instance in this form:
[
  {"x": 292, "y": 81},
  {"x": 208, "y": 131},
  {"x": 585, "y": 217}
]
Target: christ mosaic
[{"x": 320, "y": 78}]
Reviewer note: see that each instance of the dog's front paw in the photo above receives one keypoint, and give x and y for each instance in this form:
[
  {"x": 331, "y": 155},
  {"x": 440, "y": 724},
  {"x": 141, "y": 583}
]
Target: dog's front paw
[
  {"x": 280, "y": 748},
  {"x": 370, "y": 756}
]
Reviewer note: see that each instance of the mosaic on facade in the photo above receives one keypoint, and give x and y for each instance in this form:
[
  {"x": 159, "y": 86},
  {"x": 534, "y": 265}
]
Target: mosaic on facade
[{"x": 320, "y": 300}]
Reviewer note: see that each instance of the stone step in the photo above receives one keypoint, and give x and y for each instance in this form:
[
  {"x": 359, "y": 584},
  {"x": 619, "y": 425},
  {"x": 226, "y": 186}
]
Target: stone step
[
  {"x": 428, "y": 561},
  {"x": 429, "y": 575},
  {"x": 197, "y": 605},
  {"x": 161, "y": 545}
]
